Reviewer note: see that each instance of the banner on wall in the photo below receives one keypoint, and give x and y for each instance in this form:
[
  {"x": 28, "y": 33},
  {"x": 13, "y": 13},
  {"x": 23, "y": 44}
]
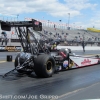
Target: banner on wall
[
  {"x": 10, "y": 48},
  {"x": 93, "y": 29}
]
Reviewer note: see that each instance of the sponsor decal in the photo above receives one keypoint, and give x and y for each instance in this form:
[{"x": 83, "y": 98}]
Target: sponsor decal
[
  {"x": 36, "y": 23},
  {"x": 65, "y": 64},
  {"x": 86, "y": 62},
  {"x": 2, "y": 48},
  {"x": 8, "y": 48}
]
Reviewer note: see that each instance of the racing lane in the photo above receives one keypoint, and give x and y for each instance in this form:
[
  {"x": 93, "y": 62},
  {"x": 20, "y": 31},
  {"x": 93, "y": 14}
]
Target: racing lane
[
  {"x": 4, "y": 54},
  {"x": 77, "y": 84}
]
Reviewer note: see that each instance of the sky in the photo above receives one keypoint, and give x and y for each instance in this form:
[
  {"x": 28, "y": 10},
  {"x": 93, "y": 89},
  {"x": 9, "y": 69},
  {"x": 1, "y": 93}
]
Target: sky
[{"x": 83, "y": 13}]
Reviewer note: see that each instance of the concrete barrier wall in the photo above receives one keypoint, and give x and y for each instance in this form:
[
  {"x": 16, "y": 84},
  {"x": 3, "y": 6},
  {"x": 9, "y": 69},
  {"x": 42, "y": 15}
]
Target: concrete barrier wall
[{"x": 79, "y": 47}]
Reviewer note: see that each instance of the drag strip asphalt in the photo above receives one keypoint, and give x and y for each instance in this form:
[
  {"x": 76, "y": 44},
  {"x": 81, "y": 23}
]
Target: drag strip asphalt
[
  {"x": 3, "y": 55},
  {"x": 76, "y": 84}
]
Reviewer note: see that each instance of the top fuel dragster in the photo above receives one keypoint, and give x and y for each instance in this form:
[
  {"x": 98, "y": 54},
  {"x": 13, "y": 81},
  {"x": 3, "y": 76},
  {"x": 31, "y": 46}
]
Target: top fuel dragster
[{"x": 35, "y": 58}]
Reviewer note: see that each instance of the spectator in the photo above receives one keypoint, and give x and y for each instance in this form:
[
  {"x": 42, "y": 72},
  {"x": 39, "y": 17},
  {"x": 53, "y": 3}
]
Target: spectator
[
  {"x": 4, "y": 38},
  {"x": 83, "y": 46},
  {"x": 54, "y": 46}
]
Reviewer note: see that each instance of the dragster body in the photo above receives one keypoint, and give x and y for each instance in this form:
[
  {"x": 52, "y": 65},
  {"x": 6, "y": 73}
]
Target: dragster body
[{"x": 74, "y": 61}]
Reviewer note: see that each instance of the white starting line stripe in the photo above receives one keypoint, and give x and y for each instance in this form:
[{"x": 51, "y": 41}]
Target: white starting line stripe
[
  {"x": 3, "y": 61},
  {"x": 6, "y": 61}
]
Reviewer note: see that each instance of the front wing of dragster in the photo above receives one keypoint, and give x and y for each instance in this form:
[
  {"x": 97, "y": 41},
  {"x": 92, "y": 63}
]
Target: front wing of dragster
[{"x": 79, "y": 61}]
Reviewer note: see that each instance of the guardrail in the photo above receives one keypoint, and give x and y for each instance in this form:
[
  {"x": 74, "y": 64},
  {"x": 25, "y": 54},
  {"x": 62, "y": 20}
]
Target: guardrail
[
  {"x": 80, "y": 47},
  {"x": 19, "y": 48}
]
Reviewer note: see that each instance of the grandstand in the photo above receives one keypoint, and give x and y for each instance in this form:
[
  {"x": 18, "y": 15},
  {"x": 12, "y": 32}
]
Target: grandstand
[
  {"x": 60, "y": 33},
  {"x": 76, "y": 34}
]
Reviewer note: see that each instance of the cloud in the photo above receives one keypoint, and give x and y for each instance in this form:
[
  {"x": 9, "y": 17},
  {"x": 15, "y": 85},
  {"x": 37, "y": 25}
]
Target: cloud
[
  {"x": 80, "y": 4},
  {"x": 52, "y": 7},
  {"x": 55, "y": 8}
]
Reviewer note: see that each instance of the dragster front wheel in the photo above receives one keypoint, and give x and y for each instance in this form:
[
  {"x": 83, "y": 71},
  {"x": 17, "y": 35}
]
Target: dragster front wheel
[
  {"x": 44, "y": 66},
  {"x": 18, "y": 61}
]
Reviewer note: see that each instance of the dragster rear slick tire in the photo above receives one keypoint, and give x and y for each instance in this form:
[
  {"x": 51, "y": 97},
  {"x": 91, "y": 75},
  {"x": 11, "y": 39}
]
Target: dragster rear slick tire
[{"x": 44, "y": 66}]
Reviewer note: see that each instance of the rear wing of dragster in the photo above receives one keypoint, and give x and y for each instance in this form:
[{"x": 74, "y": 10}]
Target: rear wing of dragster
[
  {"x": 6, "y": 26},
  {"x": 22, "y": 30}
]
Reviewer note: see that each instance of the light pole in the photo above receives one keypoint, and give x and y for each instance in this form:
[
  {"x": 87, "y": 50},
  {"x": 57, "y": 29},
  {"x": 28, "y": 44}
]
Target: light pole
[
  {"x": 17, "y": 17},
  {"x": 74, "y": 26},
  {"x": 68, "y": 20},
  {"x": 60, "y": 22},
  {"x": 43, "y": 23},
  {"x": 48, "y": 23}
]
